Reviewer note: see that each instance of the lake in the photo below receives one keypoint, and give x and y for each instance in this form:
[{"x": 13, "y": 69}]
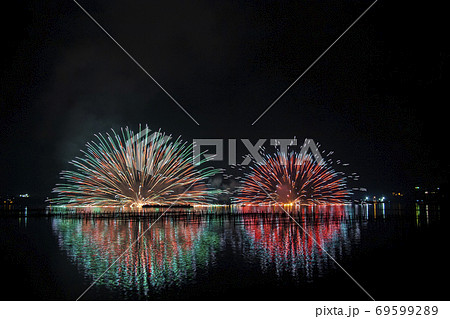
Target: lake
[{"x": 387, "y": 251}]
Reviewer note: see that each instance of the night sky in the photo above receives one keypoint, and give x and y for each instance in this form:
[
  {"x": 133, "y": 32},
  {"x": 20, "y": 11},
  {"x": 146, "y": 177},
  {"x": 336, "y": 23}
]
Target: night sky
[{"x": 377, "y": 98}]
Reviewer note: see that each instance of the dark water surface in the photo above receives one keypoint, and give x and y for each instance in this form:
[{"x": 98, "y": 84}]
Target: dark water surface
[{"x": 393, "y": 252}]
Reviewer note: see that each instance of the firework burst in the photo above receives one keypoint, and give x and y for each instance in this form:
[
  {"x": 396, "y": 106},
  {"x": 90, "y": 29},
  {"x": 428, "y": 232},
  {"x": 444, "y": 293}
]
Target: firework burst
[
  {"x": 132, "y": 170},
  {"x": 292, "y": 179}
]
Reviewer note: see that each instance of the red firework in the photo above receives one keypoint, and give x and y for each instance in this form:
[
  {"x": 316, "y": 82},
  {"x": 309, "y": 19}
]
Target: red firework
[{"x": 292, "y": 179}]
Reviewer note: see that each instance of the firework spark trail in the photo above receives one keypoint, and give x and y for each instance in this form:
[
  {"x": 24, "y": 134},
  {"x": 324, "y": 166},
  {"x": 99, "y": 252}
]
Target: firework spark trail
[
  {"x": 120, "y": 170},
  {"x": 292, "y": 179}
]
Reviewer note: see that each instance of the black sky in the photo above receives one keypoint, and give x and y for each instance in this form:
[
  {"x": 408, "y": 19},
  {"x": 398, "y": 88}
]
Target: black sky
[{"x": 377, "y": 98}]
